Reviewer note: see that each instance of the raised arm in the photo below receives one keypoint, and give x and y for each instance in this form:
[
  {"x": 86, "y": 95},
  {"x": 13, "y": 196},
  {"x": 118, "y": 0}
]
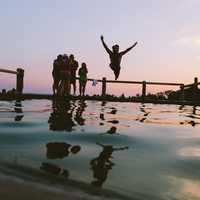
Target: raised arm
[
  {"x": 105, "y": 46},
  {"x": 127, "y": 50},
  {"x": 120, "y": 148}
]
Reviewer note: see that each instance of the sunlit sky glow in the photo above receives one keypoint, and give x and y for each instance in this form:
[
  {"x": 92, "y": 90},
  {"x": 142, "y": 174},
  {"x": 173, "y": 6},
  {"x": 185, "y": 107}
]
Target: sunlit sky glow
[{"x": 34, "y": 32}]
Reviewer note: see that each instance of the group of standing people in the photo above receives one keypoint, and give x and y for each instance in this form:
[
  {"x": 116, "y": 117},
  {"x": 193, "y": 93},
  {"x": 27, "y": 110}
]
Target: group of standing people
[{"x": 64, "y": 75}]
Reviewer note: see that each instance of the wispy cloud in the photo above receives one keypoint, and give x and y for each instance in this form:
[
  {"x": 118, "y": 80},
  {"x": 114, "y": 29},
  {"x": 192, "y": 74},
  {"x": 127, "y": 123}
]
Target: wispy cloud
[{"x": 188, "y": 41}]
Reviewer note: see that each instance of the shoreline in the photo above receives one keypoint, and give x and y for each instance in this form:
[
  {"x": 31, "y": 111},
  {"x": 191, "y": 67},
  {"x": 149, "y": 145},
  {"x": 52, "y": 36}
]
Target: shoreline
[
  {"x": 29, "y": 96},
  {"x": 21, "y": 182}
]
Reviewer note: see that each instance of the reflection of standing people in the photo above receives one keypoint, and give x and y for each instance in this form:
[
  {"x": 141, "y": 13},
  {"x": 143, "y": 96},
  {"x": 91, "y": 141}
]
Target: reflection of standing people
[
  {"x": 54, "y": 169},
  {"x": 116, "y": 56},
  {"x": 79, "y": 112},
  {"x": 82, "y": 78},
  {"x": 61, "y": 117},
  {"x": 73, "y": 64},
  {"x": 102, "y": 164},
  {"x": 60, "y": 150}
]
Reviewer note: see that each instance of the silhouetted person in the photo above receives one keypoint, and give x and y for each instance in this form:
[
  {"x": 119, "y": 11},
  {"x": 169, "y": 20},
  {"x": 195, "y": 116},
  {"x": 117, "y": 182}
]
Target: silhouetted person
[
  {"x": 56, "y": 73},
  {"x": 11, "y": 92},
  {"x": 102, "y": 164},
  {"x": 73, "y": 64},
  {"x": 82, "y": 78},
  {"x": 65, "y": 75},
  {"x": 3, "y": 92},
  {"x": 116, "y": 56},
  {"x": 61, "y": 149}
]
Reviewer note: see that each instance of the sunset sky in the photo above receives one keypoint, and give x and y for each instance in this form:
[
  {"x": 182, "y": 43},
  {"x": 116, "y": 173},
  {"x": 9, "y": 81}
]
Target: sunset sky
[{"x": 34, "y": 32}]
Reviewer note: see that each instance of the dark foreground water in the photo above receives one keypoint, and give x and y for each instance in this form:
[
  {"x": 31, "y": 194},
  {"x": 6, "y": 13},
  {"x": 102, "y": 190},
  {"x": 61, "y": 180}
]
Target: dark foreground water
[{"x": 140, "y": 150}]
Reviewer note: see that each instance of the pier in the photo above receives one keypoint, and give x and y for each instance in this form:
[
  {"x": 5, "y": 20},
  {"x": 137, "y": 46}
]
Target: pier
[{"x": 181, "y": 87}]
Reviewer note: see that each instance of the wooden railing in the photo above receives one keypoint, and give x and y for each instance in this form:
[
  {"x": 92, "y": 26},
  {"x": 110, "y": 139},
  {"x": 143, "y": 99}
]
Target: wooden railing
[
  {"x": 144, "y": 84},
  {"x": 19, "y": 78}
]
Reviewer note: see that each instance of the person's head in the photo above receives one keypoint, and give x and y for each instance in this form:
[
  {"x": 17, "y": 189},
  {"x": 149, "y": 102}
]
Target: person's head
[
  {"x": 3, "y": 91},
  {"x": 71, "y": 57},
  {"x": 65, "y": 57},
  {"x": 84, "y": 66},
  {"x": 59, "y": 57},
  {"x": 115, "y": 48},
  {"x": 75, "y": 149}
]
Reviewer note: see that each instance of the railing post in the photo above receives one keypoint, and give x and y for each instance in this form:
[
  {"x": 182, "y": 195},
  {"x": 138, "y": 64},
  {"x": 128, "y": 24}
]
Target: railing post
[
  {"x": 103, "y": 86},
  {"x": 182, "y": 95},
  {"x": 195, "y": 86},
  {"x": 143, "y": 90},
  {"x": 20, "y": 80}
]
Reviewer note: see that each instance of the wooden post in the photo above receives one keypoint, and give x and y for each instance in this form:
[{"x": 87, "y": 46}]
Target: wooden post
[
  {"x": 195, "y": 86},
  {"x": 103, "y": 86},
  {"x": 182, "y": 98},
  {"x": 20, "y": 80},
  {"x": 143, "y": 90}
]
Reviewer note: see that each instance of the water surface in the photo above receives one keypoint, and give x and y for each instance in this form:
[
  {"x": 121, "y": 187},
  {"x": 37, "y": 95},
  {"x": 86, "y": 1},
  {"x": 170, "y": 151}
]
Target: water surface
[{"x": 140, "y": 150}]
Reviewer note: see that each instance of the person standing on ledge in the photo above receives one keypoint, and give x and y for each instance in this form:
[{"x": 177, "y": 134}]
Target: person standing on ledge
[
  {"x": 82, "y": 78},
  {"x": 73, "y": 66},
  {"x": 116, "y": 56}
]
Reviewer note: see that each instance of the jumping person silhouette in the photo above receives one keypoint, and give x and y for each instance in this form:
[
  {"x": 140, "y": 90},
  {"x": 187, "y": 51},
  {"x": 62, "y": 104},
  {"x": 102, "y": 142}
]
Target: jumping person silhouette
[{"x": 116, "y": 56}]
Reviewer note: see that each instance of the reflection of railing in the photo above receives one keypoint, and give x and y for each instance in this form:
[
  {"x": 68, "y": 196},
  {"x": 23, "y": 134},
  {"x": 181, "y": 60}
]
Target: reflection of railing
[
  {"x": 19, "y": 78},
  {"x": 144, "y": 84}
]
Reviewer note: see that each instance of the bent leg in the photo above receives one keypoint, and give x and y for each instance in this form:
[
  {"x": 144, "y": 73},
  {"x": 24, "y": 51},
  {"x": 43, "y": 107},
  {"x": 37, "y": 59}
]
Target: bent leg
[{"x": 116, "y": 70}]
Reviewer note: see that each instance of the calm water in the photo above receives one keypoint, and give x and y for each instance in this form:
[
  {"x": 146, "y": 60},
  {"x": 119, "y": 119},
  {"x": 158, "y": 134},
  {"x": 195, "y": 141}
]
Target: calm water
[{"x": 141, "y": 150}]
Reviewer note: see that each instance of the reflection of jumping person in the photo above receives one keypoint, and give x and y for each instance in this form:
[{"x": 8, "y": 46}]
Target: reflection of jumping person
[
  {"x": 116, "y": 56},
  {"x": 102, "y": 164},
  {"x": 82, "y": 78}
]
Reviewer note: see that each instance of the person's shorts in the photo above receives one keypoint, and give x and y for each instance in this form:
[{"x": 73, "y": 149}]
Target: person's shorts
[
  {"x": 82, "y": 81},
  {"x": 65, "y": 75},
  {"x": 56, "y": 76}
]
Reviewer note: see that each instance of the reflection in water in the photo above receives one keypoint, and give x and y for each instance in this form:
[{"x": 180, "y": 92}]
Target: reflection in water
[
  {"x": 114, "y": 121},
  {"x": 102, "y": 164},
  {"x": 112, "y": 130},
  {"x": 61, "y": 149},
  {"x": 163, "y": 146},
  {"x": 189, "y": 152},
  {"x": 63, "y": 117},
  {"x": 185, "y": 188},
  {"x": 18, "y": 109},
  {"x": 54, "y": 169},
  {"x": 143, "y": 109},
  {"x": 113, "y": 111},
  {"x": 102, "y": 116},
  {"x": 79, "y": 113}
]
